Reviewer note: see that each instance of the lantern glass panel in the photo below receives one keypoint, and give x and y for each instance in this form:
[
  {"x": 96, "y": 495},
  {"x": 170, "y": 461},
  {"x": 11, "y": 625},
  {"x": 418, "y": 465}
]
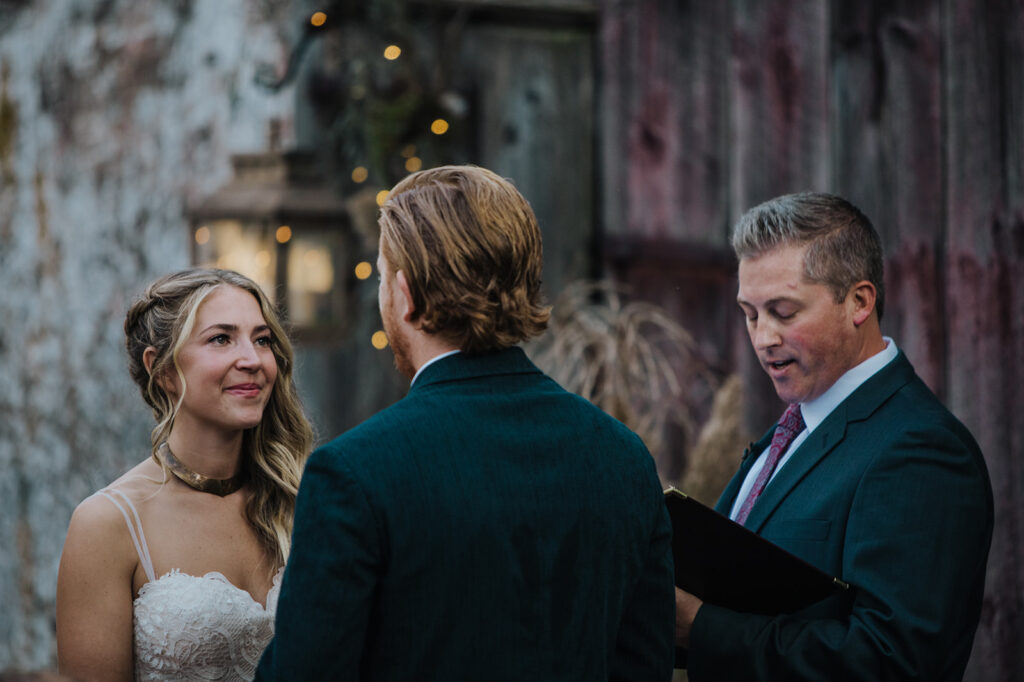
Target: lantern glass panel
[
  {"x": 245, "y": 247},
  {"x": 315, "y": 287}
]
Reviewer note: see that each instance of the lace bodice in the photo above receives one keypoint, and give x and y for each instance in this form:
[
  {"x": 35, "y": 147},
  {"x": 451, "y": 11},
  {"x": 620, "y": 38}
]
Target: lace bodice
[{"x": 195, "y": 627}]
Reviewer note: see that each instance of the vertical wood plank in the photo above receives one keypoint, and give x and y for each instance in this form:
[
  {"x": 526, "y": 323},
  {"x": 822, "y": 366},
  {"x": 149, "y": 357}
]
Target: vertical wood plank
[
  {"x": 616, "y": 43},
  {"x": 779, "y": 105},
  {"x": 887, "y": 142},
  {"x": 779, "y": 89},
  {"x": 537, "y": 127},
  {"x": 985, "y": 261},
  {"x": 665, "y": 158},
  {"x": 666, "y": 130}
]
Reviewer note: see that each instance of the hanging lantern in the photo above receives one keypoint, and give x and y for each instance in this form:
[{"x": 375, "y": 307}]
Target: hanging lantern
[{"x": 278, "y": 223}]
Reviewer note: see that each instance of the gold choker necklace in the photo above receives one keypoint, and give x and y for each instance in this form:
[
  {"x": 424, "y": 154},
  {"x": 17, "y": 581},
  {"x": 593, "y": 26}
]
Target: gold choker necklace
[{"x": 204, "y": 484}]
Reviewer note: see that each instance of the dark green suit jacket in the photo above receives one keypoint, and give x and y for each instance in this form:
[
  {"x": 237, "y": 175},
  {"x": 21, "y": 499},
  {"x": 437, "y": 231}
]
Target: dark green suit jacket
[
  {"x": 891, "y": 494},
  {"x": 488, "y": 526}
]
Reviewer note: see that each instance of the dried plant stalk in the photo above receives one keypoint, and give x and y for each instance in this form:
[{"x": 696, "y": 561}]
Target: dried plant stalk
[
  {"x": 715, "y": 456},
  {"x": 631, "y": 359}
]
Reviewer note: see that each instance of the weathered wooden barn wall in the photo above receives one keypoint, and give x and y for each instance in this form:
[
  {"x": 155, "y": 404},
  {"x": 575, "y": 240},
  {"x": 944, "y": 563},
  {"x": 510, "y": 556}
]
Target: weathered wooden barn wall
[
  {"x": 112, "y": 116},
  {"x": 915, "y": 111}
]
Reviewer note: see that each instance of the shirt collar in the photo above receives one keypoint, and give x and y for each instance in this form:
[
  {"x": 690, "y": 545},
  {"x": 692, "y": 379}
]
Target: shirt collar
[
  {"x": 431, "y": 361},
  {"x": 815, "y": 411}
]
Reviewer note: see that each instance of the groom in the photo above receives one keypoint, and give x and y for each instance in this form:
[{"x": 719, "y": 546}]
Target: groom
[{"x": 489, "y": 525}]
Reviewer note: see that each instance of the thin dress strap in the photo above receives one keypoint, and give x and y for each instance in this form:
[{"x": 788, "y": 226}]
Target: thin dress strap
[{"x": 138, "y": 538}]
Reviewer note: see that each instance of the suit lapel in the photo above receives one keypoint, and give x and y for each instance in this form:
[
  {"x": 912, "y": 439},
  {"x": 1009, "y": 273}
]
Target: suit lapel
[
  {"x": 817, "y": 445},
  {"x": 750, "y": 455},
  {"x": 829, "y": 434}
]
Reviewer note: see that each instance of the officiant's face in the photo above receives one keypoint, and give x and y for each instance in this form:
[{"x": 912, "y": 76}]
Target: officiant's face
[
  {"x": 389, "y": 301},
  {"x": 804, "y": 339}
]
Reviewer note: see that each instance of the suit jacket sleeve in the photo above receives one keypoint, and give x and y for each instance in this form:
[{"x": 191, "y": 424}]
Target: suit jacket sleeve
[
  {"x": 914, "y": 549},
  {"x": 645, "y": 645},
  {"x": 319, "y": 632}
]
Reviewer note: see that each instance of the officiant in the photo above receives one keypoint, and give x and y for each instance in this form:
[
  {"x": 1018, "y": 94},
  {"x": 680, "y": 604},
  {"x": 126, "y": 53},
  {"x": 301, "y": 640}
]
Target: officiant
[{"x": 866, "y": 475}]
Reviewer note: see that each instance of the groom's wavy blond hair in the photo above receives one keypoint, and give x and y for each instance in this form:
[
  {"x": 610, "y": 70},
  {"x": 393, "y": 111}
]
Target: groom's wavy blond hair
[{"x": 470, "y": 249}]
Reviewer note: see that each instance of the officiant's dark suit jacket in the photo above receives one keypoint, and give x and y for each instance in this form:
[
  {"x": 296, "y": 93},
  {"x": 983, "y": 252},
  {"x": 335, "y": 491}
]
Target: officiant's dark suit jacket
[
  {"x": 891, "y": 494},
  {"x": 488, "y": 526}
]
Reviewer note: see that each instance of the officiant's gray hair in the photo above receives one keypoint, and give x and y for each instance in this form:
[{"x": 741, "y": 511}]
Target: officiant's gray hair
[{"x": 843, "y": 246}]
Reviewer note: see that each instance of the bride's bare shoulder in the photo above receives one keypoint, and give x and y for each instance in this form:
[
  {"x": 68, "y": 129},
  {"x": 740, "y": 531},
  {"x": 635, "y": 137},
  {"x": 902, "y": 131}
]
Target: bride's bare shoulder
[
  {"x": 141, "y": 481},
  {"x": 137, "y": 484},
  {"x": 99, "y": 537}
]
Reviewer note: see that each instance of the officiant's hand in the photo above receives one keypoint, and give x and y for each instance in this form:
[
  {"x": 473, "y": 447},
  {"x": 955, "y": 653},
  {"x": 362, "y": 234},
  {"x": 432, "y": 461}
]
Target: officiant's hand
[{"x": 687, "y": 606}]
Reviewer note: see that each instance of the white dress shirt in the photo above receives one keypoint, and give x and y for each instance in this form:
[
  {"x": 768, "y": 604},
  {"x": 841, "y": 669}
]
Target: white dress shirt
[{"x": 431, "y": 361}]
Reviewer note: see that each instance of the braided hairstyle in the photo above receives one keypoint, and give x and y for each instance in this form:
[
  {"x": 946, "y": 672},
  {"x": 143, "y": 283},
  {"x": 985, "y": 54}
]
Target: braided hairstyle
[
  {"x": 273, "y": 451},
  {"x": 469, "y": 246}
]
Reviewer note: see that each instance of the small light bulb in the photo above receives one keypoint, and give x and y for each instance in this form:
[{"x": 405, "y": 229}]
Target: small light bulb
[{"x": 364, "y": 270}]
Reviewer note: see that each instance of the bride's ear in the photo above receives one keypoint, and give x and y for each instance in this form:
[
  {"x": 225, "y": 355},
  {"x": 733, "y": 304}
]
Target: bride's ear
[{"x": 148, "y": 358}]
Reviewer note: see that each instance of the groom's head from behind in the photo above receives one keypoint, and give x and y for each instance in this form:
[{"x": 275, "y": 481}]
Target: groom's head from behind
[{"x": 460, "y": 261}]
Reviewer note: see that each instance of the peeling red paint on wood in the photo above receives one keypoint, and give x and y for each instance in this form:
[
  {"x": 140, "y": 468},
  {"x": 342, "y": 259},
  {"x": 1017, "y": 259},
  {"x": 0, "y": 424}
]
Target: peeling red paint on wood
[
  {"x": 984, "y": 111},
  {"x": 986, "y": 352},
  {"x": 915, "y": 296},
  {"x": 666, "y": 122}
]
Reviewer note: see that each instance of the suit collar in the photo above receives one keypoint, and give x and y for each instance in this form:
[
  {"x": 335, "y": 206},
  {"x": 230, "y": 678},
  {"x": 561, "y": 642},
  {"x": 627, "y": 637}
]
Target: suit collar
[
  {"x": 431, "y": 361},
  {"x": 857, "y": 407},
  {"x": 817, "y": 410},
  {"x": 464, "y": 366}
]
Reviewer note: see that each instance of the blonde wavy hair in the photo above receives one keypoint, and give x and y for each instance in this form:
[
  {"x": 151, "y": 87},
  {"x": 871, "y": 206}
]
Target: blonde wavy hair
[
  {"x": 275, "y": 450},
  {"x": 469, "y": 246}
]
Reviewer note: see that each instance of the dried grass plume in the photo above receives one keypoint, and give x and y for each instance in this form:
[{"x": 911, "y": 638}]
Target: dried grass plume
[{"x": 631, "y": 359}]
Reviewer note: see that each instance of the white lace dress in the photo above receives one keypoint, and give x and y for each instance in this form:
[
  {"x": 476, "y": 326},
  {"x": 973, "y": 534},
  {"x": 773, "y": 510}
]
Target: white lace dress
[{"x": 194, "y": 627}]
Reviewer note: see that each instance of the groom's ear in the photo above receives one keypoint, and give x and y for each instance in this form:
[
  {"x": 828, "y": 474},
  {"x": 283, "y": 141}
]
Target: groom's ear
[{"x": 408, "y": 307}]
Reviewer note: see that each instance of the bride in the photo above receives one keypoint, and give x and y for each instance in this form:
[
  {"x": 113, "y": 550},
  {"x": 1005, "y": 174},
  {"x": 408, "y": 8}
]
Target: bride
[{"x": 173, "y": 570}]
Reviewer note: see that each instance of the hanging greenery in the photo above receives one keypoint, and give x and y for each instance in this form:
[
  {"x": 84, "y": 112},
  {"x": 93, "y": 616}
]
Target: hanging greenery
[{"x": 382, "y": 91}]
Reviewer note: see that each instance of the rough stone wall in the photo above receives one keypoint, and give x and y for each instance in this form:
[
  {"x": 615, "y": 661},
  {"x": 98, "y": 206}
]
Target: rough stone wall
[{"x": 114, "y": 114}]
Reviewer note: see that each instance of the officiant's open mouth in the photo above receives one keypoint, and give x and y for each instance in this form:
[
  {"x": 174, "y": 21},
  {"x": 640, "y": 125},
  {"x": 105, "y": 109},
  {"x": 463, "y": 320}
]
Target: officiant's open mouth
[{"x": 778, "y": 365}]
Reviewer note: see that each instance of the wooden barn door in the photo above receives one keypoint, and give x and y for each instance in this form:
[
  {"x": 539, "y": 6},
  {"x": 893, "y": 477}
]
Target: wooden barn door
[{"x": 529, "y": 66}]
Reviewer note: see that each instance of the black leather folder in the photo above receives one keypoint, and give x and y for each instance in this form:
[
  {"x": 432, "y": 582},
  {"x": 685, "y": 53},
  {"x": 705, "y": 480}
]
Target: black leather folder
[{"x": 727, "y": 565}]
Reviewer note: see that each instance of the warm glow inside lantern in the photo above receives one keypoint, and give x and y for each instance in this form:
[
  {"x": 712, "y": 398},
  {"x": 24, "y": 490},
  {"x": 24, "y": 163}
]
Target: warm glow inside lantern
[{"x": 277, "y": 223}]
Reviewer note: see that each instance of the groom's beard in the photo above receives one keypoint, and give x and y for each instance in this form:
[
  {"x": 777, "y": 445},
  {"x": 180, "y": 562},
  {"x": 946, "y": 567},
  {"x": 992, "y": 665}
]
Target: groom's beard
[{"x": 398, "y": 342}]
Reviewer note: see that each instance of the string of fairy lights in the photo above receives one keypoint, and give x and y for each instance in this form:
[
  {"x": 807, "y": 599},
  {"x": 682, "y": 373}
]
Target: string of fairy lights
[
  {"x": 360, "y": 173},
  {"x": 308, "y": 265}
]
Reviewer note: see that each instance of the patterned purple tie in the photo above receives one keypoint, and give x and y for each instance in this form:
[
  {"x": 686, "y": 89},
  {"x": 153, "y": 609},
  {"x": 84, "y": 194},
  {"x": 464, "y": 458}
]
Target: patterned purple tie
[{"x": 790, "y": 425}]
